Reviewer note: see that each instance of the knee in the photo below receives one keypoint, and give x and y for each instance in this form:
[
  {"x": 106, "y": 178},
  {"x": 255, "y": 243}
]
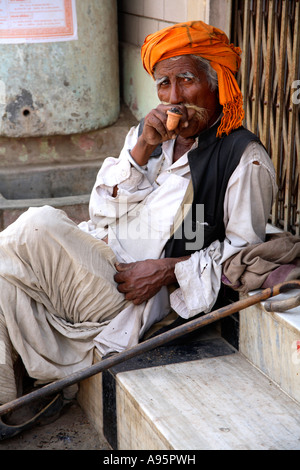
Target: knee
[{"x": 41, "y": 219}]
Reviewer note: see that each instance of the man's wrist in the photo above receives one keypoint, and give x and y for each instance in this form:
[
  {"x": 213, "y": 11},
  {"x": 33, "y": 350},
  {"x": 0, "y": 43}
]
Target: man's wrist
[
  {"x": 142, "y": 151},
  {"x": 170, "y": 264},
  {"x": 141, "y": 169}
]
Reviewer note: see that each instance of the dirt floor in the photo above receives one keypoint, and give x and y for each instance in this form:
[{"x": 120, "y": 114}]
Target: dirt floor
[{"x": 71, "y": 431}]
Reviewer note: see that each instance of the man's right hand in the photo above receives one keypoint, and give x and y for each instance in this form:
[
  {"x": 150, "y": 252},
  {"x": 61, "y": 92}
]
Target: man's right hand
[
  {"x": 155, "y": 132},
  {"x": 155, "y": 127}
]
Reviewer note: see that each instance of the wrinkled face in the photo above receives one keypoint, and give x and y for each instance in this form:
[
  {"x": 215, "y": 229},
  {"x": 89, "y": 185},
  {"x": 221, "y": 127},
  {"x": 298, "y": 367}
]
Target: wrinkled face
[{"x": 181, "y": 81}]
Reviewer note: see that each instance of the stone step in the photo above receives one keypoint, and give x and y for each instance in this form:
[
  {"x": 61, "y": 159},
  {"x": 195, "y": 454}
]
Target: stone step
[
  {"x": 200, "y": 394},
  {"x": 271, "y": 341},
  {"x": 221, "y": 403}
]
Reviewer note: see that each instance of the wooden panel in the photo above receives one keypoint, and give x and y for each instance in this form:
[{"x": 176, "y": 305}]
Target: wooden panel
[{"x": 268, "y": 31}]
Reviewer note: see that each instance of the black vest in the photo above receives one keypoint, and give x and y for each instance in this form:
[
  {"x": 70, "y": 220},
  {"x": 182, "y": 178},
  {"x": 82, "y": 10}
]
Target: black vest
[{"x": 212, "y": 164}]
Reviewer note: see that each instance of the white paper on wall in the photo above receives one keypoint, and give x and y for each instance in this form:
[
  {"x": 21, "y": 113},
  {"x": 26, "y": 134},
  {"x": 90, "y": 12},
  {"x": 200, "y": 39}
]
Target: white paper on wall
[{"x": 29, "y": 21}]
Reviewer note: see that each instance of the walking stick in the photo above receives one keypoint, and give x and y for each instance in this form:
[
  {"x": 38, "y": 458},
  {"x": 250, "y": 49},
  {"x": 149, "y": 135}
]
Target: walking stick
[{"x": 7, "y": 430}]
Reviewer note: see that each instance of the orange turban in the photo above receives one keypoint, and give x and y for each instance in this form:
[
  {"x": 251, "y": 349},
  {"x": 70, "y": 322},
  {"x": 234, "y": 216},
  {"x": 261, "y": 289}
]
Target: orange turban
[{"x": 198, "y": 38}]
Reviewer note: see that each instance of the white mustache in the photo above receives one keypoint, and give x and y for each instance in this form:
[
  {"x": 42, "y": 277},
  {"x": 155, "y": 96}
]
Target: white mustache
[{"x": 202, "y": 113}]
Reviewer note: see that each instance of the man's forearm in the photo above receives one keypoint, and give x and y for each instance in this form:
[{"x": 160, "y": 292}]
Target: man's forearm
[
  {"x": 141, "y": 151},
  {"x": 169, "y": 266}
]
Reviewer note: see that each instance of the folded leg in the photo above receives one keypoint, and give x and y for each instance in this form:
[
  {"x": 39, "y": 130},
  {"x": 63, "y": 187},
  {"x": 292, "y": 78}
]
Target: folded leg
[{"x": 57, "y": 291}]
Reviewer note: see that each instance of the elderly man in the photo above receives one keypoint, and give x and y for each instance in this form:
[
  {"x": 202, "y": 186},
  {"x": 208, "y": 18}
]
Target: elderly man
[{"x": 65, "y": 289}]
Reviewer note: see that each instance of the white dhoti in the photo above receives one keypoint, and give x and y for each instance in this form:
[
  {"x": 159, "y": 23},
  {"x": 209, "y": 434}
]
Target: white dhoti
[{"x": 57, "y": 293}]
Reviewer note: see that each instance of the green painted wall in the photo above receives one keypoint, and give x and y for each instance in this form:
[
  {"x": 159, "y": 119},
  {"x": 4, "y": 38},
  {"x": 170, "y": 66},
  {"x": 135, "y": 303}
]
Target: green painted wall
[
  {"x": 138, "y": 88},
  {"x": 63, "y": 87}
]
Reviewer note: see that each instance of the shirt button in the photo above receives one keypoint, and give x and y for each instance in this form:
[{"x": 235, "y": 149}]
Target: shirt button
[{"x": 124, "y": 173}]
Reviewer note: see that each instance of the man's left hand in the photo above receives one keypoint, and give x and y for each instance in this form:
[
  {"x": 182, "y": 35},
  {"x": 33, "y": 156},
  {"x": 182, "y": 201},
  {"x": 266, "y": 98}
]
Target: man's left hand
[{"x": 141, "y": 280}]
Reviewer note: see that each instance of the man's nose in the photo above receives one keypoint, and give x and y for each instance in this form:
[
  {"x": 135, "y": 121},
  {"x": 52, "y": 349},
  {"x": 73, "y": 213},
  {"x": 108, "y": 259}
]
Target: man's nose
[{"x": 175, "y": 95}]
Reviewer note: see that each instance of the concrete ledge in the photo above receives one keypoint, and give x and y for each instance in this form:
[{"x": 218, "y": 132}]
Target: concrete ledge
[
  {"x": 221, "y": 403},
  {"x": 271, "y": 342}
]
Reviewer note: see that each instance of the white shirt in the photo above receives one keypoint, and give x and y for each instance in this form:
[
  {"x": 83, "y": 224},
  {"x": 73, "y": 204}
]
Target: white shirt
[{"x": 139, "y": 219}]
